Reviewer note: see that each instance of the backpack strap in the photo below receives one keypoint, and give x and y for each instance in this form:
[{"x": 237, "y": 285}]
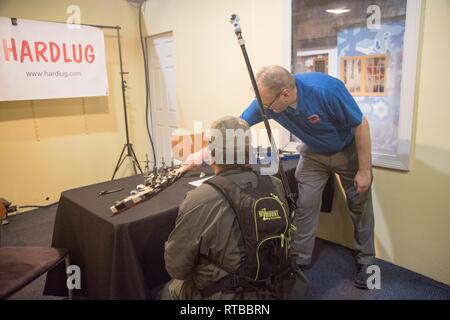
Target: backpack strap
[
  {"x": 230, "y": 190},
  {"x": 236, "y": 283},
  {"x": 229, "y": 282}
]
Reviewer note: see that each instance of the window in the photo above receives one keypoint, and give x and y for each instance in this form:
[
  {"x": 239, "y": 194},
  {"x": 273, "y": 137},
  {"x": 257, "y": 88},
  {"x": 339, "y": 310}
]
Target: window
[
  {"x": 364, "y": 75},
  {"x": 314, "y": 63}
]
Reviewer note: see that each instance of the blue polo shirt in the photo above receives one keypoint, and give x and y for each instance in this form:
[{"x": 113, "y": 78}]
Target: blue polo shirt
[{"x": 325, "y": 117}]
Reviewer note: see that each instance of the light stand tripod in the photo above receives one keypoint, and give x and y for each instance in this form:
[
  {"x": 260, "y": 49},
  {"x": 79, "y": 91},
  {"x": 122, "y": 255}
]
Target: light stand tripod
[{"x": 128, "y": 146}]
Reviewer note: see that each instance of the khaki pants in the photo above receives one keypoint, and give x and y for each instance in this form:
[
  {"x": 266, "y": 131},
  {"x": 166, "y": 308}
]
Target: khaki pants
[{"x": 312, "y": 174}]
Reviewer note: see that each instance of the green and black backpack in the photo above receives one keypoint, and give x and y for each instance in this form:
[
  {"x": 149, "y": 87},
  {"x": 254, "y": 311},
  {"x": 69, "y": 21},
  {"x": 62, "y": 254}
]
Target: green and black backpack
[{"x": 265, "y": 223}]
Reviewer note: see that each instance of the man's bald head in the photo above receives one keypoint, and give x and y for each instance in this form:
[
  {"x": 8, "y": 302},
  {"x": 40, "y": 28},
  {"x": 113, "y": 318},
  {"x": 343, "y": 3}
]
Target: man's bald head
[{"x": 275, "y": 78}]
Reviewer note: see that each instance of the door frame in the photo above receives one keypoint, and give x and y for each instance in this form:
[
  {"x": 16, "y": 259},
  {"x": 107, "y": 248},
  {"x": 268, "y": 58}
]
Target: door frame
[{"x": 147, "y": 41}]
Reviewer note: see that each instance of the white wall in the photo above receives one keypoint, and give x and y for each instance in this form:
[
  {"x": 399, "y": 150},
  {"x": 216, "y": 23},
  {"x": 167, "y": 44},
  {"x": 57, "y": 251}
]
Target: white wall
[{"x": 212, "y": 78}]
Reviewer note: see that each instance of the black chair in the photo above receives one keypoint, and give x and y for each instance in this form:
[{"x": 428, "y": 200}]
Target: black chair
[{"x": 21, "y": 265}]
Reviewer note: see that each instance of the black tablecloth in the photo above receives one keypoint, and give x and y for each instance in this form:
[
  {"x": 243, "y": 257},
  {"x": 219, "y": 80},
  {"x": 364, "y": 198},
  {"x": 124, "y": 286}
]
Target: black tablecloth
[{"x": 122, "y": 256}]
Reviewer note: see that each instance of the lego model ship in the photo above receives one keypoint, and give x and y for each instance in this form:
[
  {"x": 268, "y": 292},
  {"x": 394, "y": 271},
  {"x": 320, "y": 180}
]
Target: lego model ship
[{"x": 154, "y": 183}]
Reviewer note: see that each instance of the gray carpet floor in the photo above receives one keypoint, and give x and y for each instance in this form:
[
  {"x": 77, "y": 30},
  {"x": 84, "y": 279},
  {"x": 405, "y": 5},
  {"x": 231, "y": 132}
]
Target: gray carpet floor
[{"x": 330, "y": 275}]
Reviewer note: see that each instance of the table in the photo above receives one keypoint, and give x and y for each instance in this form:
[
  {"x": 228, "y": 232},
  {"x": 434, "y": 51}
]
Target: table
[{"x": 122, "y": 256}]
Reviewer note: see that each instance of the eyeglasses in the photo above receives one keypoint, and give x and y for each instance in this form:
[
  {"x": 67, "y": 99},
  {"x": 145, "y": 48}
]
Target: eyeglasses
[{"x": 273, "y": 101}]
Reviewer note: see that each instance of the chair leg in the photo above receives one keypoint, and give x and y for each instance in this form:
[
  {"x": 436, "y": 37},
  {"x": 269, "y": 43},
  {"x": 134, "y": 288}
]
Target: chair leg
[{"x": 67, "y": 262}]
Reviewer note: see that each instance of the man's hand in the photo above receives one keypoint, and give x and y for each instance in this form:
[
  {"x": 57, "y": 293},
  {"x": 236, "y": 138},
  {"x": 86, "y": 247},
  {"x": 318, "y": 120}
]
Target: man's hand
[
  {"x": 190, "y": 163},
  {"x": 196, "y": 159},
  {"x": 363, "y": 179},
  {"x": 187, "y": 166}
]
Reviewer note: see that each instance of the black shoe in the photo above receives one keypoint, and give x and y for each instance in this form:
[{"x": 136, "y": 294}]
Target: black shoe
[
  {"x": 361, "y": 276},
  {"x": 301, "y": 267},
  {"x": 304, "y": 267}
]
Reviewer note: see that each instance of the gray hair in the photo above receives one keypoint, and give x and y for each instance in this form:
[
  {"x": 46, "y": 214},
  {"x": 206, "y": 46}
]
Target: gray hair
[
  {"x": 230, "y": 140},
  {"x": 275, "y": 78}
]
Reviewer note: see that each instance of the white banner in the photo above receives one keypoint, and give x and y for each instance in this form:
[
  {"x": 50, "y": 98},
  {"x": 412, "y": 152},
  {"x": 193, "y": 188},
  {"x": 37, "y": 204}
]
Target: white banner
[{"x": 44, "y": 60}]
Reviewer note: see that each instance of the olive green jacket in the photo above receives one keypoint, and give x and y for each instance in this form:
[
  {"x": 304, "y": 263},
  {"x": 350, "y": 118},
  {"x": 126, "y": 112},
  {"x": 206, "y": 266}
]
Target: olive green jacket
[{"x": 206, "y": 243}]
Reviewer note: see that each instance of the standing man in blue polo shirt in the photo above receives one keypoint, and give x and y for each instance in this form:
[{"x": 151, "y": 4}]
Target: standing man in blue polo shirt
[{"x": 320, "y": 111}]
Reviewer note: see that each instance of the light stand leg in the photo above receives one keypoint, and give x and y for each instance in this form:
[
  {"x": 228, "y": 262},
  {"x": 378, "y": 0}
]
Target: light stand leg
[
  {"x": 135, "y": 158},
  {"x": 119, "y": 162},
  {"x": 131, "y": 155},
  {"x": 128, "y": 145}
]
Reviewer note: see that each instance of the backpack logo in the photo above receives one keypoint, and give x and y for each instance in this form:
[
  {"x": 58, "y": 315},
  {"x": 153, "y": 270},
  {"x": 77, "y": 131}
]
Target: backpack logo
[{"x": 266, "y": 215}]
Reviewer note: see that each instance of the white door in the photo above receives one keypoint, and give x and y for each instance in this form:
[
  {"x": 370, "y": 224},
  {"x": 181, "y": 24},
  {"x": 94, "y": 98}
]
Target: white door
[{"x": 163, "y": 116}]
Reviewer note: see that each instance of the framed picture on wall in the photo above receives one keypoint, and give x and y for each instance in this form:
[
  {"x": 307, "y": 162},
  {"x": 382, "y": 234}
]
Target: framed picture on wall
[{"x": 372, "y": 46}]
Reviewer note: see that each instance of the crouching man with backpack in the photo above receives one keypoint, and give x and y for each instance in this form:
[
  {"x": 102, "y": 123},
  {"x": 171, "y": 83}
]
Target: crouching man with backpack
[{"x": 233, "y": 234}]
